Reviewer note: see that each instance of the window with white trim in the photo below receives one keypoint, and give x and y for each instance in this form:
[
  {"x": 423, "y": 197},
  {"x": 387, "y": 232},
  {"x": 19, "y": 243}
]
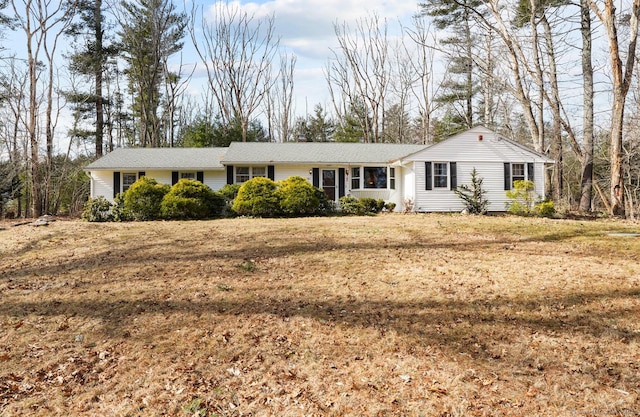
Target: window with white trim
[
  {"x": 258, "y": 172},
  {"x": 375, "y": 177},
  {"x": 244, "y": 174},
  {"x": 517, "y": 173},
  {"x": 355, "y": 178},
  {"x": 188, "y": 175},
  {"x": 392, "y": 178},
  {"x": 440, "y": 176},
  {"x": 128, "y": 178}
]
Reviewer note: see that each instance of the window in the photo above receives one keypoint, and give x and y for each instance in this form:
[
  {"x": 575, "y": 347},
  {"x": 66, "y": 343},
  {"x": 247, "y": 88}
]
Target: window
[
  {"x": 258, "y": 172},
  {"x": 355, "y": 178},
  {"x": 517, "y": 173},
  {"x": 392, "y": 178},
  {"x": 244, "y": 174},
  {"x": 128, "y": 178},
  {"x": 439, "y": 175},
  {"x": 188, "y": 175},
  {"x": 375, "y": 177}
]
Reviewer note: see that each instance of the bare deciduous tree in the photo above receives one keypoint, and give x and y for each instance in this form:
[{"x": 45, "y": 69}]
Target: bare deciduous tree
[
  {"x": 237, "y": 51},
  {"x": 621, "y": 72},
  {"x": 42, "y": 23},
  {"x": 361, "y": 71}
]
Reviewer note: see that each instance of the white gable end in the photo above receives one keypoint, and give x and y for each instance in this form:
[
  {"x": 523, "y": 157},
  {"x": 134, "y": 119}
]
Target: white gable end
[{"x": 477, "y": 145}]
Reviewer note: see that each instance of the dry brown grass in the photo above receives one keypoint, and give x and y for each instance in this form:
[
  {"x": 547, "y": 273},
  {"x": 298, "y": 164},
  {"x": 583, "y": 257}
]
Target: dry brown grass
[{"x": 433, "y": 315}]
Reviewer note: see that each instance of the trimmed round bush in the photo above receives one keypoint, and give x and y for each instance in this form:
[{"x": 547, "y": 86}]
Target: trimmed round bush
[
  {"x": 257, "y": 197},
  {"x": 297, "y": 197},
  {"x": 191, "y": 199},
  {"x": 143, "y": 199}
]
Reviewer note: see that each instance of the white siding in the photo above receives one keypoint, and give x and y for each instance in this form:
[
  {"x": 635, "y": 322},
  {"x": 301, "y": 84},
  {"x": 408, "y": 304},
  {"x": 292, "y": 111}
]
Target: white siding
[
  {"x": 492, "y": 174},
  {"x": 479, "y": 148},
  {"x": 102, "y": 181},
  {"x": 282, "y": 172},
  {"x": 102, "y": 184}
]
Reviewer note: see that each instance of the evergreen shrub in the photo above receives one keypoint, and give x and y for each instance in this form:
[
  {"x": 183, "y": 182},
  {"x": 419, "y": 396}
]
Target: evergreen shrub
[
  {"x": 191, "y": 199},
  {"x": 351, "y": 205},
  {"x": 143, "y": 199},
  {"x": 257, "y": 197},
  {"x": 297, "y": 197},
  {"x": 97, "y": 210}
]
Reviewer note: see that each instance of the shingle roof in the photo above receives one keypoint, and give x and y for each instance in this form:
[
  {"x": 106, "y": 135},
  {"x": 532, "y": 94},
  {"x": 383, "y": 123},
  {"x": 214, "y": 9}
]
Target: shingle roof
[
  {"x": 316, "y": 152},
  {"x": 161, "y": 158}
]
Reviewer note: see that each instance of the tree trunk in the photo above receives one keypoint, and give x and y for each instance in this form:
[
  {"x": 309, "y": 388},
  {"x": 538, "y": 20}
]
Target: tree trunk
[
  {"x": 621, "y": 82},
  {"x": 98, "y": 78},
  {"x": 586, "y": 159}
]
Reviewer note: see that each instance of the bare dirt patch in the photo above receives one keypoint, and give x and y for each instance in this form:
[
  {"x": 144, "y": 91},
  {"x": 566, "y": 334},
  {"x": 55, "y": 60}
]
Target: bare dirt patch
[{"x": 390, "y": 315}]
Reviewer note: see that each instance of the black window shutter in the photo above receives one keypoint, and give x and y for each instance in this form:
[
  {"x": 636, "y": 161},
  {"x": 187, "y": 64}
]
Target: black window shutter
[
  {"x": 200, "y": 176},
  {"x": 530, "y": 175},
  {"x": 229, "y": 174},
  {"x": 271, "y": 172},
  {"x": 316, "y": 177},
  {"x": 428, "y": 183},
  {"x": 141, "y": 174},
  {"x": 340, "y": 182},
  {"x": 454, "y": 175},
  {"x": 116, "y": 184},
  {"x": 507, "y": 176},
  {"x": 174, "y": 177}
]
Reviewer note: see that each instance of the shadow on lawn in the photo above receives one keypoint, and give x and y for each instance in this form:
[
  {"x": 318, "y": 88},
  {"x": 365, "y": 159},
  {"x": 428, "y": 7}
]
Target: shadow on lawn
[
  {"x": 456, "y": 325},
  {"x": 144, "y": 252}
]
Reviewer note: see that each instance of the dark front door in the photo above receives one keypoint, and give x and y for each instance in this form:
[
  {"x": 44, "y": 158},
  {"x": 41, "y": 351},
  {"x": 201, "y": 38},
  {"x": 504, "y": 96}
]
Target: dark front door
[{"x": 329, "y": 183}]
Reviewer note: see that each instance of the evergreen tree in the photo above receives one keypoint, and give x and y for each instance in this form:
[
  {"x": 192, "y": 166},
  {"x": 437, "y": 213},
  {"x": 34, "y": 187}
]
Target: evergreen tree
[
  {"x": 203, "y": 133},
  {"x": 460, "y": 86},
  {"x": 90, "y": 60},
  {"x": 151, "y": 32}
]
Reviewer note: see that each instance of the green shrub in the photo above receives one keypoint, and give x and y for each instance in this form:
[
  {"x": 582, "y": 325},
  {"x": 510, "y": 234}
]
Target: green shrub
[
  {"x": 229, "y": 192},
  {"x": 257, "y": 197},
  {"x": 191, "y": 199},
  {"x": 143, "y": 199},
  {"x": 521, "y": 198},
  {"x": 325, "y": 207},
  {"x": 97, "y": 210},
  {"x": 473, "y": 195},
  {"x": 390, "y": 206},
  {"x": 118, "y": 210},
  {"x": 297, "y": 197},
  {"x": 544, "y": 209},
  {"x": 351, "y": 205},
  {"x": 371, "y": 205}
]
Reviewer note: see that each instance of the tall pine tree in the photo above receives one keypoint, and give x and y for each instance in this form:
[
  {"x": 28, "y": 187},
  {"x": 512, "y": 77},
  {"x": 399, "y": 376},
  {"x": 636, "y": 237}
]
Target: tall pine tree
[
  {"x": 461, "y": 85},
  {"x": 151, "y": 32},
  {"x": 90, "y": 60}
]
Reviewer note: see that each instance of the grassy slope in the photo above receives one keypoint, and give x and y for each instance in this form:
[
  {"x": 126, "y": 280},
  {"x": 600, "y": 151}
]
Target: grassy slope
[{"x": 392, "y": 315}]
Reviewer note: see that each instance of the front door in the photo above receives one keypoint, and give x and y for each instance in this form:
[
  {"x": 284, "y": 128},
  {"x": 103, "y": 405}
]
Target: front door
[{"x": 329, "y": 183}]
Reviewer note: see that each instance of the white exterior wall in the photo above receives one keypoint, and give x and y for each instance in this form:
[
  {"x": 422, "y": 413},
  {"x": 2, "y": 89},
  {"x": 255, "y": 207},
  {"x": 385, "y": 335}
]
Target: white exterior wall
[
  {"x": 102, "y": 181},
  {"x": 102, "y": 184},
  {"x": 492, "y": 174},
  {"x": 282, "y": 172},
  {"x": 467, "y": 150}
]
